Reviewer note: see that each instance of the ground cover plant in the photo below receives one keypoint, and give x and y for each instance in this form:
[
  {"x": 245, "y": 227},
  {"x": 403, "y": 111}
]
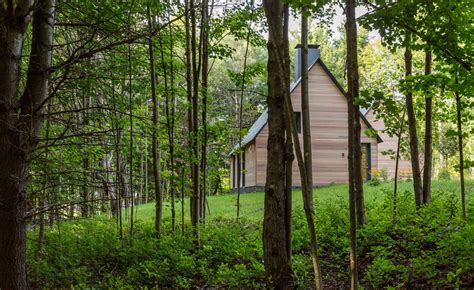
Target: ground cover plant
[{"x": 431, "y": 248}]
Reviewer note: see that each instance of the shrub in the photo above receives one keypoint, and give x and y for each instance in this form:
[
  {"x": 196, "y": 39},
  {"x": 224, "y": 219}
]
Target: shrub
[{"x": 444, "y": 174}]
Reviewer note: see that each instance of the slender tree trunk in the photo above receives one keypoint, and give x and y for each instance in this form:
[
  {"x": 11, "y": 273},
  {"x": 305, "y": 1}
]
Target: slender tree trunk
[
  {"x": 20, "y": 121},
  {"x": 241, "y": 105},
  {"x": 194, "y": 130},
  {"x": 355, "y": 179},
  {"x": 414, "y": 154},
  {"x": 204, "y": 91},
  {"x": 130, "y": 96},
  {"x": 461, "y": 158},
  {"x": 275, "y": 247},
  {"x": 45, "y": 184},
  {"x": 307, "y": 157},
  {"x": 289, "y": 157},
  {"x": 428, "y": 159},
  {"x": 397, "y": 161},
  {"x": 170, "y": 116},
  {"x": 353, "y": 95},
  {"x": 155, "y": 146}
]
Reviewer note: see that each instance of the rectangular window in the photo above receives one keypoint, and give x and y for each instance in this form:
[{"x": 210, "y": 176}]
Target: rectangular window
[
  {"x": 239, "y": 171},
  {"x": 298, "y": 121},
  {"x": 243, "y": 169}
]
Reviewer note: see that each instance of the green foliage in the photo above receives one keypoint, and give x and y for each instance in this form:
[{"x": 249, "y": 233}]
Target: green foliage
[
  {"x": 431, "y": 248},
  {"x": 444, "y": 174}
]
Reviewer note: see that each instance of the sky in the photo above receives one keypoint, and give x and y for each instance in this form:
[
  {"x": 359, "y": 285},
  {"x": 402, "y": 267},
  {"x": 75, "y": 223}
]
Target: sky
[{"x": 338, "y": 20}]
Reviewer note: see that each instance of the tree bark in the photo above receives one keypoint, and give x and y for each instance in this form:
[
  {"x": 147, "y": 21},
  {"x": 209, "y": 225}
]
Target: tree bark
[
  {"x": 195, "y": 129},
  {"x": 397, "y": 161},
  {"x": 289, "y": 146},
  {"x": 353, "y": 95},
  {"x": 355, "y": 178},
  {"x": 154, "y": 142},
  {"x": 414, "y": 153},
  {"x": 20, "y": 121},
  {"x": 307, "y": 150},
  {"x": 428, "y": 158},
  {"x": 461, "y": 157},
  {"x": 277, "y": 264},
  {"x": 204, "y": 91}
]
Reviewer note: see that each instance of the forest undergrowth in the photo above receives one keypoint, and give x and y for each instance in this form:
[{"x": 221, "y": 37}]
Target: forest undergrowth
[{"x": 397, "y": 247}]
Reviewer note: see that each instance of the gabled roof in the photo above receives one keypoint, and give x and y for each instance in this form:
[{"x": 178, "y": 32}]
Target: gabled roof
[{"x": 262, "y": 120}]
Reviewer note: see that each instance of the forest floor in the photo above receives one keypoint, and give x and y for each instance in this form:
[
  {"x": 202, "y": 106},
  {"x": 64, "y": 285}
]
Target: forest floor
[{"x": 433, "y": 247}]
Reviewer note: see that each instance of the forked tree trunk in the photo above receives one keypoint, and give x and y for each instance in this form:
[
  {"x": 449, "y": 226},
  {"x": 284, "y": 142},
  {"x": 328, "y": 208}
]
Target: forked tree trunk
[
  {"x": 414, "y": 153},
  {"x": 20, "y": 120},
  {"x": 428, "y": 159},
  {"x": 277, "y": 264}
]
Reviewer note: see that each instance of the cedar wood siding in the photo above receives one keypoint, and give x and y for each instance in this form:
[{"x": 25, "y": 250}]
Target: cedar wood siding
[
  {"x": 250, "y": 165},
  {"x": 328, "y": 113},
  {"x": 389, "y": 143}
]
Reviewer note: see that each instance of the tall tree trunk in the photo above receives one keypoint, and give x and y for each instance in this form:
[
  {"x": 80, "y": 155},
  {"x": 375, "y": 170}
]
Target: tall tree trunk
[
  {"x": 277, "y": 264},
  {"x": 353, "y": 95},
  {"x": 130, "y": 104},
  {"x": 353, "y": 137},
  {"x": 170, "y": 119},
  {"x": 414, "y": 153},
  {"x": 204, "y": 91},
  {"x": 194, "y": 129},
  {"x": 241, "y": 105},
  {"x": 289, "y": 157},
  {"x": 154, "y": 142},
  {"x": 461, "y": 157},
  {"x": 397, "y": 161},
  {"x": 20, "y": 120},
  {"x": 308, "y": 159},
  {"x": 428, "y": 159},
  {"x": 189, "y": 99},
  {"x": 44, "y": 194}
]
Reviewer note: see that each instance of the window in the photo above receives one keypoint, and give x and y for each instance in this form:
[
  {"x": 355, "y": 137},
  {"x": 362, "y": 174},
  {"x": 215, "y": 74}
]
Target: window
[
  {"x": 239, "y": 171},
  {"x": 298, "y": 121},
  {"x": 243, "y": 169}
]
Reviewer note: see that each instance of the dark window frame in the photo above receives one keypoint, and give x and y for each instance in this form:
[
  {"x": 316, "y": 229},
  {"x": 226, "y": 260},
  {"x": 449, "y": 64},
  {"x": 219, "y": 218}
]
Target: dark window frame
[{"x": 243, "y": 169}]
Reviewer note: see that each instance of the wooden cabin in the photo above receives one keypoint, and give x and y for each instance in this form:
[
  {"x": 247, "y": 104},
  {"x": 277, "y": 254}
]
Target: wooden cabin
[
  {"x": 328, "y": 115},
  {"x": 387, "y": 149}
]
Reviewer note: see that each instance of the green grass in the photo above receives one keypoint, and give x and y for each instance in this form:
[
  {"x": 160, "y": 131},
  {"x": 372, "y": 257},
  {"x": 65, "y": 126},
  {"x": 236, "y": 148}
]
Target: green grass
[{"x": 251, "y": 208}]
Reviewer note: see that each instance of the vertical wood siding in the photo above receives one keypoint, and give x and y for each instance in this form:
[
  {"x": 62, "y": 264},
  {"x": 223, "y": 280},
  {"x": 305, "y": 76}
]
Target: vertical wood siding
[
  {"x": 389, "y": 143},
  {"x": 328, "y": 110}
]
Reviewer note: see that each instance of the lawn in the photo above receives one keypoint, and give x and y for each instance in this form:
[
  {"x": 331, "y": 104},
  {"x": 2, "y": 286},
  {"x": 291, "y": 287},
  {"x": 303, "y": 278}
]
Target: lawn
[{"x": 252, "y": 203}]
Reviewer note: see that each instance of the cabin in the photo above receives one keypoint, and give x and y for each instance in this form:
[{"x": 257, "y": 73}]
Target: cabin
[
  {"x": 386, "y": 150},
  {"x": 328, "y": 117}
]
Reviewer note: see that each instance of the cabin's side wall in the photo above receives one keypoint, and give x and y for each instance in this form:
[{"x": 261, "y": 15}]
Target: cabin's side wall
[
  {"x": 328, "y": 116},
  {"x": 249, "y": 171},
  {"x": 250, "y": 163},
  {"x": 389, "y": 144}
]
